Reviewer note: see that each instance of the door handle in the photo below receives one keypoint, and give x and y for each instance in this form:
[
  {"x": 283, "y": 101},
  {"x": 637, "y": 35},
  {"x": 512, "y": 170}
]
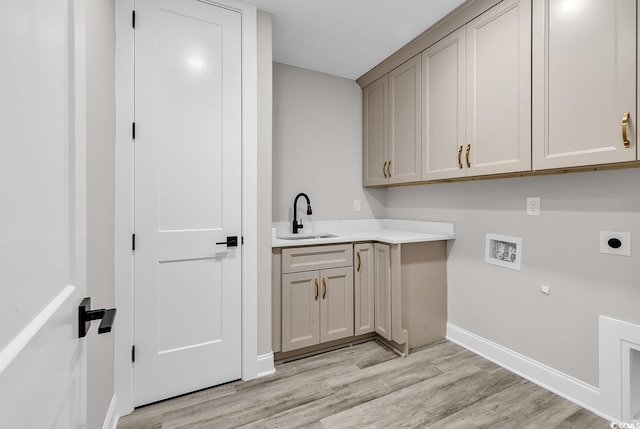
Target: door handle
[
  {"x": 232, "y": 241},
  {"x": 324, "y": 287},
  {"x": 467, "y": 155},
  {"x": 85, "y": 316},
  {"x": 625, "y": 122}
]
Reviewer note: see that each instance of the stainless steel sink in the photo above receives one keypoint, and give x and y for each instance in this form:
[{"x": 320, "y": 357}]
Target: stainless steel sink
[{"x": 307, "y": 237}]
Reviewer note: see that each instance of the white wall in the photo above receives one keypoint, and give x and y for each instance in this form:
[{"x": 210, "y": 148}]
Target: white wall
[
  {"x": 560, "y": 249},
  {"x": 100, "y": 32},
  {"x": 317, "y": 146}
]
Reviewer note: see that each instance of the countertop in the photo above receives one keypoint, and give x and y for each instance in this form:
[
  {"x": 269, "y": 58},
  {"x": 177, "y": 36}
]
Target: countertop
[{"x": 391, "y": 231}]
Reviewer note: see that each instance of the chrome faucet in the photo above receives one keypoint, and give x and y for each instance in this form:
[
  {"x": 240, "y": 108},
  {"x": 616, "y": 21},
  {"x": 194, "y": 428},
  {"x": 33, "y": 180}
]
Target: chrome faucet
[{"x": 296, "y": 225}]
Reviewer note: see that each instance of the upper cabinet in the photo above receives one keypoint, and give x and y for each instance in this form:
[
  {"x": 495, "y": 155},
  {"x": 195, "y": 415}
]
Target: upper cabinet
[
  {"x": 375, "y": 132},
  {"x": 504, "y": 87},
  {"x": 584, "y": 82},
  {"x": 405, "y": 145},
  {"x": 476, "y": 96},
  {"x": 443, "y": 108},
  {"x": 498, "y": 90},
  {"x": 391, "y": 127}
]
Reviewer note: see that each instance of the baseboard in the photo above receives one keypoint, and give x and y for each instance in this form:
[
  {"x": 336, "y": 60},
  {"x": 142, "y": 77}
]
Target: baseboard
[
  {"x": 564, "y": 385},
  {"x": 112, "y": 417},
  {"x": 265, "y": 365}
]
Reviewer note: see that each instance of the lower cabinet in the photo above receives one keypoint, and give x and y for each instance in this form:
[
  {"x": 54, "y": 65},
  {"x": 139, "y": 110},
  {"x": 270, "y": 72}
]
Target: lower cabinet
[
  {"x": 364, "y": 288},
  {"x": 382, "y": 289},
  {"x": 333, "y": 292},
  {"x": 317, "y": 307}
]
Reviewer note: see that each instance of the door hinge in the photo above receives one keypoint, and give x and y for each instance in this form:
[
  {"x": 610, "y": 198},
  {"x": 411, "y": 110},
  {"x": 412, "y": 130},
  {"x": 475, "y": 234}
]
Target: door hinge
[
  {"x": 133, "y": 354},
  {"x": 133, "y": 242},
  {"x": 133, "y": 19},
  {"x": 242, "y": 240},
  {"x": 133, "y": 130}
]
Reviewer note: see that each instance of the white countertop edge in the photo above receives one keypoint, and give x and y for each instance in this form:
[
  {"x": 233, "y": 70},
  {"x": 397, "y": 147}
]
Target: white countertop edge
[{"x": 391, "y": 231}]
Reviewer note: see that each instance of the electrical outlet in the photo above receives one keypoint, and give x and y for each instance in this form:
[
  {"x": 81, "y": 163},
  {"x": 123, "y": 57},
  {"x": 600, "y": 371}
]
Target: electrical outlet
[
  {"x": 545, "y": 289},
  {"x": 356, "y": 205},
  {"x": 533, "y": 206},
  {"x": 615, "y": 243}
]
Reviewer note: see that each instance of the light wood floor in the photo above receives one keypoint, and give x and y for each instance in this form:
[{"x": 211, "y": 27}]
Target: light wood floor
[{"x": 367, "y": 385}]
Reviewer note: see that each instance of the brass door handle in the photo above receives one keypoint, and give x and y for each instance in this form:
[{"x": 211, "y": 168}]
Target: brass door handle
[
  {"x": 384, "y": 169},
  {"x": 316, "y": 289},
  {"x": 389, "y": 169},
  {"x": 460, "y": 157},
  {"x": 324, "y": 287},
  {"x": 625, "y": 123},
  {"x": 359, "y": 261},
  {"x": 467, "y": 155}
]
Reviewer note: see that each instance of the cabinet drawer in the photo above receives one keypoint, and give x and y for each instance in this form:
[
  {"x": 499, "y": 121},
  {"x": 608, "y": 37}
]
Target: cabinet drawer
[{"x": 316, "y": 258}]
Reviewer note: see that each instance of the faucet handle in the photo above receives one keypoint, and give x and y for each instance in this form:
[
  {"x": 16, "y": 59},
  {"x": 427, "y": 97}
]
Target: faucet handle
[{"x": 300, "y": 224}]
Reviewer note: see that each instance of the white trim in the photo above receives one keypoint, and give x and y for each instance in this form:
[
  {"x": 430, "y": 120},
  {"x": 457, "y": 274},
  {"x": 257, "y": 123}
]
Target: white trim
[
  {"x": 570, "y": 388},
  {"x": 616, "y": 335},
  {"x": 112, "y": 417},
  {"x": 123, "y": 367},
  {"x": 249, "y": 186},
  {"x": 124, "y": 197},
  {"x": 15, "y": 346},
  {"x": 266, "y": 365}
]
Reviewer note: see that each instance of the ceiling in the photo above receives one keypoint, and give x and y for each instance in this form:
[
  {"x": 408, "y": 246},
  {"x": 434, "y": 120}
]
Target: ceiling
[{"x": 347, "y": 38}]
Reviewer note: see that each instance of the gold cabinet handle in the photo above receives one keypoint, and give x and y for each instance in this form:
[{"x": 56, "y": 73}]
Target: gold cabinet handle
[
  {"x": 389, "y": 169},
  {"x": 359, "y": 261},
  {"x": 460, "y": 157},
  {"x": 324, "y": 287},
  {"x": 467, "y": 155},
  {"x": 384, "y": 169},
  {"x": 316, "y": 289},
  {"x": 625, "y": 123}
]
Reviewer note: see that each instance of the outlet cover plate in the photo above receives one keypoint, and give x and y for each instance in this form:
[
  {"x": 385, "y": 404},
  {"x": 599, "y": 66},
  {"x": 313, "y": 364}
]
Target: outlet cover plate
[
  {"x": 624, "y": 237},
  {"x": 533, "y": 206}
]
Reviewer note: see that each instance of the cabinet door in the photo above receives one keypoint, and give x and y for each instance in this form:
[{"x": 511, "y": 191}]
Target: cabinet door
[
  {"x": 336, "y": 304},
  {"x": 363, "y": 284},
  {"x": 443, "y": 101},
  {"x": 584, "y": 70},
  {"x": 382, "y": 289},
  {"x": 300, "y": 310},
  {"x": 499, "y": 90},
  {"x": 405, "y": 130},
  {"x": 375, "y": 117}
]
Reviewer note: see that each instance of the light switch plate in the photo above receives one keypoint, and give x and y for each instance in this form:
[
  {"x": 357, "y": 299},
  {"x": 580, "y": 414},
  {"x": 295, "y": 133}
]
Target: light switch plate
[{"x": 625, "y": 239}]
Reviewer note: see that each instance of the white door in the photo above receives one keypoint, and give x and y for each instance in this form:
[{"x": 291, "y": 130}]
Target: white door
[
  {"x": 187, "y": 197},
  {"x": 42, "y": 192}
]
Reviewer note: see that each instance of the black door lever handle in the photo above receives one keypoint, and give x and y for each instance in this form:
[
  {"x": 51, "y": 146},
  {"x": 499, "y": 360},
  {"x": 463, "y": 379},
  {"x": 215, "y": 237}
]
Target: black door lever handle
[
  {"x": 85, "y": 316},
  {"x": 232, "y": 241}
]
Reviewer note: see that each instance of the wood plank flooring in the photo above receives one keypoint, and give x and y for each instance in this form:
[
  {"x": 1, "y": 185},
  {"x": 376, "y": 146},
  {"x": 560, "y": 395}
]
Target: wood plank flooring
[{"x": 368, "y": 386}]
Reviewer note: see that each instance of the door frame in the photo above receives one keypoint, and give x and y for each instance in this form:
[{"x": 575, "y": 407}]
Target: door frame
[{"x": 124, "y": 197}]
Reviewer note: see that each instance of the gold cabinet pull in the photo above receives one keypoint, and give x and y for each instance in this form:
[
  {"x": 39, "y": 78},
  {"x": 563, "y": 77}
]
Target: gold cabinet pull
[
  {"x": 625, "y": 123},
  {"x": 384, "y": 169},
  {"x": 467, "y": 155},
  {"x": 460, "y": 157},
  {"x": 389, "y": 169},
  {"x": 359, "y": 261},
  {"x": 324, "y": 287},
  {"x": 316, "y": 289}
]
